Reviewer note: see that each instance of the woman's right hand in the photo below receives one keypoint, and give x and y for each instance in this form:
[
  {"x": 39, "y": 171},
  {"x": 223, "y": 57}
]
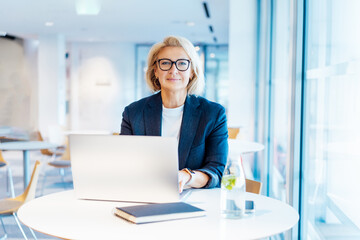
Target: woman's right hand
[{"x": 184, "y": 178}]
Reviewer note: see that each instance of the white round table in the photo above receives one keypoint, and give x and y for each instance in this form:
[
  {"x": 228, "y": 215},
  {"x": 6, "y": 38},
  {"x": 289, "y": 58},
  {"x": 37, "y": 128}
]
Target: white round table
[
  {"x": 239, "y": 147},
  {"x": 26, "y": 146},
  {"x": 62, "y": 215}
]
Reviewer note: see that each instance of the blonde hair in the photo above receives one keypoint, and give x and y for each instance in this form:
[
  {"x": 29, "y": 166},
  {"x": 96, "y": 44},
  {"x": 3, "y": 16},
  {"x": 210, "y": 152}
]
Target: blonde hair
[{"x": 196, "y": 82}]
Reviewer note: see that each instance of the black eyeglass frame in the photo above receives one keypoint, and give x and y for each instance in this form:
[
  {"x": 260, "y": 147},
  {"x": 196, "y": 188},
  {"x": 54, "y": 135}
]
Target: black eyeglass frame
[{"x": 172, "y": 62}]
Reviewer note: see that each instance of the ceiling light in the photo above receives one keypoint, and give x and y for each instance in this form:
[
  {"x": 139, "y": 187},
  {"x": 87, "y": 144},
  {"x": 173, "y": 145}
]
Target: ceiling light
[
  {"x": 190, "y": 24},
  {"x": 49, "y": 24},
  {"x": 88, "y": 7},
  {"x": 212, "y": 55},
  {"x": 206, "y": 9},
  {"x": 197, "y": 48}
]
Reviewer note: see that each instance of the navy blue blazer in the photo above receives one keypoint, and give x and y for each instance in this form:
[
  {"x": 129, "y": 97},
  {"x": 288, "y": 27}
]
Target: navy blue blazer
[{"x": 203, "y": 144}]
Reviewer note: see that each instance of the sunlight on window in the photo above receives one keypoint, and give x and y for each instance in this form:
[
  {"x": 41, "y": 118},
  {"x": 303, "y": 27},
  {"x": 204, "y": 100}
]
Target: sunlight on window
[{"x": 332, "y": 130}]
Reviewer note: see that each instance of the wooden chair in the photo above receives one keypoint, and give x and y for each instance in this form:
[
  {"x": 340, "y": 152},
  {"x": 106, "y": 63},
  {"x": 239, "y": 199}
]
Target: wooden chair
[
  {"x": 47, "y": 152},
  {"x": 61, "y": 164},
  {"x": 64, "y": 161},
  {"x": 10, "y": 206},
  {"x": 9, "y": 181},
  {"x": 253, "y": 186},
  {"x": 233, "y": 132}
]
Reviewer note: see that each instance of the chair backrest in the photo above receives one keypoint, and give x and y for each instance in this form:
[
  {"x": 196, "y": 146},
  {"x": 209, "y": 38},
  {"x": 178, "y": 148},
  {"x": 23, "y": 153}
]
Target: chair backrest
[
  {"x": 2, "y": 160},
  {"x": 233, "y": 132},
  {"x": 30, "y": 190},
  {"x": 66, "y": 154},
  {"x": 39, "y": 137},
  {"x": 253, "y": 186}
]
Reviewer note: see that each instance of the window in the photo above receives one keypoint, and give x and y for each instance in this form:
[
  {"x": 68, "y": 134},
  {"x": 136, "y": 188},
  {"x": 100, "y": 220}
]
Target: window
[
  {"x": 216, "y": 73},
  {"x": 331, "y": 156},
  {"x": 141, "y": 88},
  {"x": 280, "y": 102}
]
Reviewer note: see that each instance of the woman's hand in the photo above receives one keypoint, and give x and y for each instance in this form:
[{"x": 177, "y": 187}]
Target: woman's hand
[
  {"x": 196, "y": 180},
  {"x": 184, "y": 178}
]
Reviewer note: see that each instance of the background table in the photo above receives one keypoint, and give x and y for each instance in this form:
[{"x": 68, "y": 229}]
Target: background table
[
  {"x": 62, "y": 215},
  {"x": 239, "y": 147},
  {"x": 26, "y": 146}
]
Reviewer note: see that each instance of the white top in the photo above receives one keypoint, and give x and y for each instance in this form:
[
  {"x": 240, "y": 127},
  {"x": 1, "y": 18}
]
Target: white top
[
  {"x": 62, "y": 215},
  {"x": 171, "y": 121}
]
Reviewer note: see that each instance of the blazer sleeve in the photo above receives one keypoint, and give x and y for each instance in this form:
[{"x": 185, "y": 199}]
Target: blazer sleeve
[
  {"x": 126, "y": 128},
  {"x": 216, "y": 151}
]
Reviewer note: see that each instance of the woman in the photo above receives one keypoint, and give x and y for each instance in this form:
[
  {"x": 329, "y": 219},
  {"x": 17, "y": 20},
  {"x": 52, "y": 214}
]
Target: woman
[{"x": 175, "y": 111}]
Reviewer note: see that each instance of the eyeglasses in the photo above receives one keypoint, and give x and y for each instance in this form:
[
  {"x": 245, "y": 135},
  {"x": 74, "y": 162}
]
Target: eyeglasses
[{"x": 166, "y": 64}]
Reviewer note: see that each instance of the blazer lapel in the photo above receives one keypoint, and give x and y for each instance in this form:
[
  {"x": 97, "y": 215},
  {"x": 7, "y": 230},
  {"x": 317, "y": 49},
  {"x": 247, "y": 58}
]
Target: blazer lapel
[
  {"x": 152, "y": 116},
  {"x": 189, "y": 125}
]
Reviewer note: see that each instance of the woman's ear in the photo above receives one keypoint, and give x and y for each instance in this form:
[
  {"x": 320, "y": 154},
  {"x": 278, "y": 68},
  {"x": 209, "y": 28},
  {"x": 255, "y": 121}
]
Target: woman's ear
[
  {"x": 155, "y": 72},
  {"x": 192, "y": 74}
]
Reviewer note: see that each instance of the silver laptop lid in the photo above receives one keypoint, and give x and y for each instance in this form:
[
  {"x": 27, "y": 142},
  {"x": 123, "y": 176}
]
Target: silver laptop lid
[{"x": 125, "y": 168}]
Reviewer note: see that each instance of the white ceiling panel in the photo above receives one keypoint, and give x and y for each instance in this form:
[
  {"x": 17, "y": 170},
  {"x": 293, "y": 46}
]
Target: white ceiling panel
[{"x": 138, "y": 21}]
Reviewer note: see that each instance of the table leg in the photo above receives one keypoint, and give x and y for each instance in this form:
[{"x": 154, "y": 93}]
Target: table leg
[{"x": 26, "y": 166}]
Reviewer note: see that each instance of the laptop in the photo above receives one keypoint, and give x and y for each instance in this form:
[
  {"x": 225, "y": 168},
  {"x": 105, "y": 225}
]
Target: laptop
[{"x": 125, "y": 168}]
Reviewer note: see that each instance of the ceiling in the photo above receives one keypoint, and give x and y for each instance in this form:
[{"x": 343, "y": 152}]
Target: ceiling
[{"x": 136, "y": 21}]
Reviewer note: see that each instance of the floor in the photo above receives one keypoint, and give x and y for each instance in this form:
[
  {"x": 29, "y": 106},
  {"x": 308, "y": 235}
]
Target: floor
[{"x": 53, "y": 184}]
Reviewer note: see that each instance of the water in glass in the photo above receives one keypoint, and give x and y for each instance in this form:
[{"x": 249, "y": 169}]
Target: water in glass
[{"x": 233, "y": 189}]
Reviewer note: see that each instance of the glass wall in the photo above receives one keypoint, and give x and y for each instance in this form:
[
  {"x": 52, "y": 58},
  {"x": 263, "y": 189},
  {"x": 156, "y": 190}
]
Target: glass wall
[
  {"x": 276, "y": 110},
  {"x": 216, "y": 73},
  {"x": 280, "y": 101},
  {"x": 331, "y": 156},
  {"x": 141, "y": 89}
]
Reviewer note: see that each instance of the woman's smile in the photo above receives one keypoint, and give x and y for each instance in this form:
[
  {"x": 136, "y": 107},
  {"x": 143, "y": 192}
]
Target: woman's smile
[{"x": 173, "y": 79}]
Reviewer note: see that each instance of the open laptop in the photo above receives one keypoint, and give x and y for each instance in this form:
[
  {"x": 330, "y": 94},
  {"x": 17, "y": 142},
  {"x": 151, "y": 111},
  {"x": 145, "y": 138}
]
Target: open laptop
[{"x": 125, "y": 168}]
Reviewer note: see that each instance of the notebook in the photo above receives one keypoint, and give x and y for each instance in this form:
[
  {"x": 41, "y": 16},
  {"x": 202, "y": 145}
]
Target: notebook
[
  {"x": 125, "y": 168},
  {"x": 158, "y": 212}
]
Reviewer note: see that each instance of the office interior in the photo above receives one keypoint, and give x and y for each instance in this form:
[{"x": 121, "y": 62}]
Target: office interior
[{"x": 287, "y": 73}]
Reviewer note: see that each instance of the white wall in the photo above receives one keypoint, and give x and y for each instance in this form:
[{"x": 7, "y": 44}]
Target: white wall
[
  {"x": 102, "y": 84},
  {"x": 31, "y": 69},
  {"x": 16, "y": 82},
  {"x": 51, "y": 83}
]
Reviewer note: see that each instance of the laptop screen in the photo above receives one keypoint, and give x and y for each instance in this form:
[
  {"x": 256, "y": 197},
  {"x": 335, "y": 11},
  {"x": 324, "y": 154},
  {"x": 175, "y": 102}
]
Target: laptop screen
[{"x": 125, "y": 168}]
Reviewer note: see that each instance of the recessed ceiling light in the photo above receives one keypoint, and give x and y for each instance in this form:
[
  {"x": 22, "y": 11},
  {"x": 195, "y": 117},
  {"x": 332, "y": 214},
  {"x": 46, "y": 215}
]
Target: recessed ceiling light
[
  {"x": 212, "y": 55},
  {"x": 190, "y": 24},
  {"x": 49, "y": 24}
]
